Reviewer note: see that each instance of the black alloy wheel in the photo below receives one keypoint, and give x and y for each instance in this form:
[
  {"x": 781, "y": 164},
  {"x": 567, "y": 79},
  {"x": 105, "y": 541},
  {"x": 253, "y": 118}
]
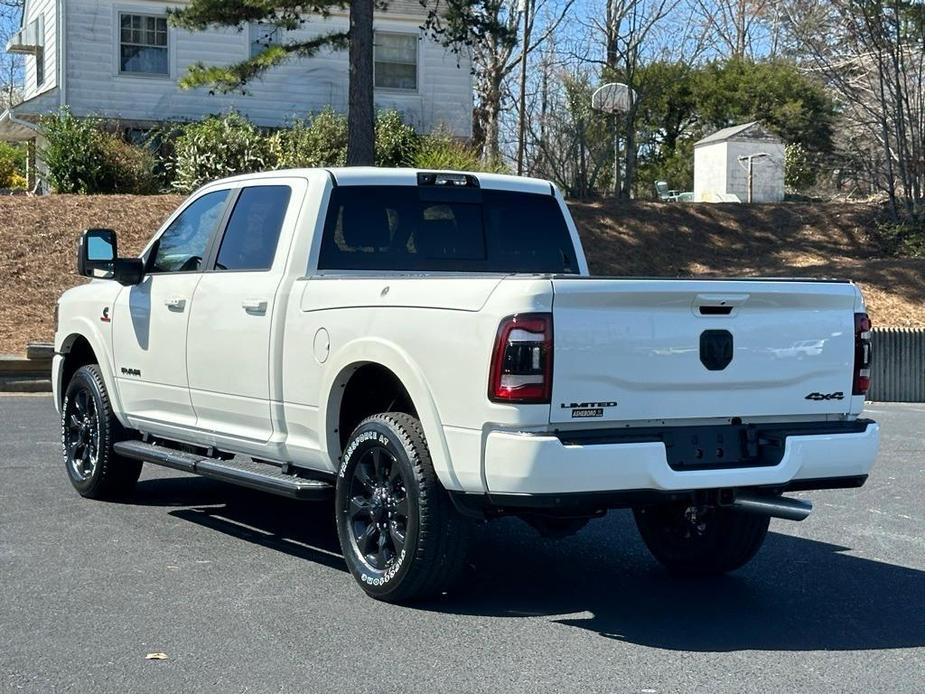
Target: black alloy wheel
[
  {"x": 378, "y": 508},
  {"x": 89, "y": 428},
  {"x": 401, "y": 536},
  {"x": 81, "y": 434}
]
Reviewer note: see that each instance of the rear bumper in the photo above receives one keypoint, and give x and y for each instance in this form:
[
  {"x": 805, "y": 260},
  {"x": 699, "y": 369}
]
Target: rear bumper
[{"x": 525, "y": 464}]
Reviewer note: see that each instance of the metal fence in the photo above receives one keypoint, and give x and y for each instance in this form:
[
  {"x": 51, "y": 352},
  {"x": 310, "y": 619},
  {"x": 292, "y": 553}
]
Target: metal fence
[{"x": 898, "y": 371}]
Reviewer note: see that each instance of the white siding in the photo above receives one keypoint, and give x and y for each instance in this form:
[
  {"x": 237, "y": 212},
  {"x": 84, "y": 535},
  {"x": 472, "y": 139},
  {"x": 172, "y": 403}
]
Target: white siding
[
  {"x": 47, "y": 10},
  {"x": 709, "y": 171},
  {"x": 292, "y": 90},
  {"x": 767, "y": 172}
]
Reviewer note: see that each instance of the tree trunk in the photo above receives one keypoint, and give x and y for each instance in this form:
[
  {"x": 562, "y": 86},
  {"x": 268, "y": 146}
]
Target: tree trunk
[
  {"x": 629, "y": 173},
  {"x": 741, "y": 31},
  {"x": 361, "y": 149},
  {"x": 522, "y": 116},
  {"x": 540, "y": 163},
  {"x": 491, "y": 113}
]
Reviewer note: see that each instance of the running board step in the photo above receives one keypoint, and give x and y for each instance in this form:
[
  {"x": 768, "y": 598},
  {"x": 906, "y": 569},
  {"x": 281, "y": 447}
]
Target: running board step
[{"x": 262, "y": 476}]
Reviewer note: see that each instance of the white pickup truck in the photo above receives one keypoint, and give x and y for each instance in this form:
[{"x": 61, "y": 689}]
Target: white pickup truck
[{"x": 427, "y": 348}]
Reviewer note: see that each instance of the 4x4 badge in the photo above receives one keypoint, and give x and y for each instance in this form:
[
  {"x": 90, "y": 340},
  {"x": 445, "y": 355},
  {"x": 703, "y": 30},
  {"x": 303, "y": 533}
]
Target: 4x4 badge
[{"x": 838, "y": 395}]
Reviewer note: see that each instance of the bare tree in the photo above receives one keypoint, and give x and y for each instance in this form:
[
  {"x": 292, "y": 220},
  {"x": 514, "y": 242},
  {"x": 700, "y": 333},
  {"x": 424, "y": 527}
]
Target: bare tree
[
  {"x": 872, "y": 55},
  {"x": 494, "y": 32},
  {"x": 735, "y": 24},
  {"x": 10, "y": 64},
  {"x": 569, "y": 140},
  {"x": 628, "y": 31}
]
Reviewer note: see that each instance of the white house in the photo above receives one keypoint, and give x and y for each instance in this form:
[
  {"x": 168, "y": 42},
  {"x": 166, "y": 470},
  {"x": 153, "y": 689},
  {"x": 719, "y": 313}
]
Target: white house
[
  {"x": 122, "y": 60},
  {"x": 722, "y": 162}
]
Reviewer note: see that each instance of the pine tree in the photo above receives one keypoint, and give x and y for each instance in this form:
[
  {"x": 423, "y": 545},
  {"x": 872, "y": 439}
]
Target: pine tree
[{"x": 286, "y": 15}]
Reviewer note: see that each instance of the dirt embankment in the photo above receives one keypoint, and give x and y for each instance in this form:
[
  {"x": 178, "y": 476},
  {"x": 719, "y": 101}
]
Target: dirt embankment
[
  {"x": 785, "y": 240},
  {"x": 38, "y": 237}
]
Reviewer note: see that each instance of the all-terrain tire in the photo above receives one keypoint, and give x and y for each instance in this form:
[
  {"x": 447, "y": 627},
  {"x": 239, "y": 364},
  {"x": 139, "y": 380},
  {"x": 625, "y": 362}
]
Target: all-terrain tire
[
  {"x": 88, "y": 431},
  {"x": 700, "y": 541},
  {"x": 398, "y": 497}
]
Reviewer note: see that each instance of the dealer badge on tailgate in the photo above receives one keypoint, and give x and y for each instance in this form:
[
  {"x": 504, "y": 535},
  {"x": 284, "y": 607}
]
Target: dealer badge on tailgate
[{"x": 586, "y": 410}]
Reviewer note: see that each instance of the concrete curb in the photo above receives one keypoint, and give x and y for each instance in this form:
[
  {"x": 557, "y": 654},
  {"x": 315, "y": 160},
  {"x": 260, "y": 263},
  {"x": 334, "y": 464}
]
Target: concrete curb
[
  {"x": 25, "y": 385},
  {"x": 30, "y": 374}
]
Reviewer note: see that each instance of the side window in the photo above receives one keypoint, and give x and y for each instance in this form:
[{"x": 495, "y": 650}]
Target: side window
[
  {"x": 183, "y": 244},
  {"x": 253, "y": 229}
]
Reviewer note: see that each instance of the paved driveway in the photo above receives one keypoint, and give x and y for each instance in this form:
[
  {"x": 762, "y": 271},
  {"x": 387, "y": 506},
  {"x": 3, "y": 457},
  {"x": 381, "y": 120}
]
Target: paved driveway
[{"x": 248, "y": 593}]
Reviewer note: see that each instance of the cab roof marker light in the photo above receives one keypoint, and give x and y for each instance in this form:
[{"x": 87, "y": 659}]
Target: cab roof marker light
[{"x": 451, "y": 180}]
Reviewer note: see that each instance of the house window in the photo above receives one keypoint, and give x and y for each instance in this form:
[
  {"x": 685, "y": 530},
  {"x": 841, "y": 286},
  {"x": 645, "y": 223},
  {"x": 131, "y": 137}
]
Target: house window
[
  {"x": 37, "y": 27},
  {"x": 263, "y": 36},
  {"x": 143, "y": 44},
  {"x": 395, "y": 59},
  {"x": 39, "y": 67}
]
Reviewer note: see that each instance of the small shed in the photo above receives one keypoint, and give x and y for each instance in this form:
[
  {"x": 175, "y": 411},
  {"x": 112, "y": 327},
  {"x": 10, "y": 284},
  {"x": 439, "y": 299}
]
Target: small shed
[{"x": 722, "y": 160}]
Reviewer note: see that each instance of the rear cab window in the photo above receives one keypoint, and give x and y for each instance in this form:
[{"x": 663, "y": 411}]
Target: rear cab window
[{"x": 426, "y": 228}]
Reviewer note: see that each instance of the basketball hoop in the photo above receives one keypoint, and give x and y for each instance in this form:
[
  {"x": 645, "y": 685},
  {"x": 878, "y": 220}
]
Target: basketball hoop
[{"x": 614, "y": 97}]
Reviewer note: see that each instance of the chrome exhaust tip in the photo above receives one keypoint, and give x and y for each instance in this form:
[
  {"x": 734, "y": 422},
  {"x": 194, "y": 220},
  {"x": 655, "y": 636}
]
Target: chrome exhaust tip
[{"x": 774, "y": 506}]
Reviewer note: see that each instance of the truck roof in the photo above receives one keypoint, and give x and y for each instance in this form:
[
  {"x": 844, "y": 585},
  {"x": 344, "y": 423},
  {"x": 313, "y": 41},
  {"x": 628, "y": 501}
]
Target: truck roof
[{"x": 372, "y": 176}]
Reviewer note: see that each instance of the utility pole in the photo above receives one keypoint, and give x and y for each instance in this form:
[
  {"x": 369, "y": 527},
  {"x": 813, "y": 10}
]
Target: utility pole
[
  {"x": 748, "y": 168},
  {"x": 522, "y": 125}
]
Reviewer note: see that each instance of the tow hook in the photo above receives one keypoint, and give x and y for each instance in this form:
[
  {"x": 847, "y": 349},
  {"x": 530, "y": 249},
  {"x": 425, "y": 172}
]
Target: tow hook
[{"x": 774, "y": 506}]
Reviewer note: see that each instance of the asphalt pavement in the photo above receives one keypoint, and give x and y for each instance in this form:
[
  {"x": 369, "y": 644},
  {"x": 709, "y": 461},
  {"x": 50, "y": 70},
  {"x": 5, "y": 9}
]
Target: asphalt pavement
[{"x": 245, "y": 592}]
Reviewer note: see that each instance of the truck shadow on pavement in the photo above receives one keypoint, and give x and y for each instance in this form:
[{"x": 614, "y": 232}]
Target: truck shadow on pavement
[
  {"x": 797, "y": 594},
  {"x": 301, "y": 529}
]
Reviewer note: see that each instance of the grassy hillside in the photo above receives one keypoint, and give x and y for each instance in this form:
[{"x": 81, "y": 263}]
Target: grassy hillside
[{"x": 38, "y": 235}]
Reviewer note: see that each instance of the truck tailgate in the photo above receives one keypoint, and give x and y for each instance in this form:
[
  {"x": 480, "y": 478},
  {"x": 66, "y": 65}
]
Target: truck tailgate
[{"x": 659, "y": 349}]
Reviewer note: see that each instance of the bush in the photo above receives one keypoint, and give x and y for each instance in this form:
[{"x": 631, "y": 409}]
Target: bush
[
  {"x": 217, "y": 147},
  {"x": 440, "y": 150},
  {"x": 902, "y": 239},
  {"x": 12, "y": 165},
  {"x": 799, "y": 172},
  {"x": 132, "y": 169},
  {"x": 82, "y": 157},
  {"x": 396, "y": 142},
  {"x": 75, "y": 153},
  {"x": 676, "y": 168},
  {"x": 321, "y": 140},
  {"x": 17, "y": 182}
]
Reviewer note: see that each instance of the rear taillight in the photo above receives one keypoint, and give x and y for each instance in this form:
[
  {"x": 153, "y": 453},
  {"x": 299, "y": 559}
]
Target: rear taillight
[
  {"x": 521, "y": 364},
  {"x": 861, "y": 354}
]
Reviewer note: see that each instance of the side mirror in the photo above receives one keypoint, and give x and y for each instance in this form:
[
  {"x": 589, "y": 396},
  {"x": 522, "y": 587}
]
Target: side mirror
[
  {"x": 98, "y": 257},
  {"x": 96, "y": 253}
]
